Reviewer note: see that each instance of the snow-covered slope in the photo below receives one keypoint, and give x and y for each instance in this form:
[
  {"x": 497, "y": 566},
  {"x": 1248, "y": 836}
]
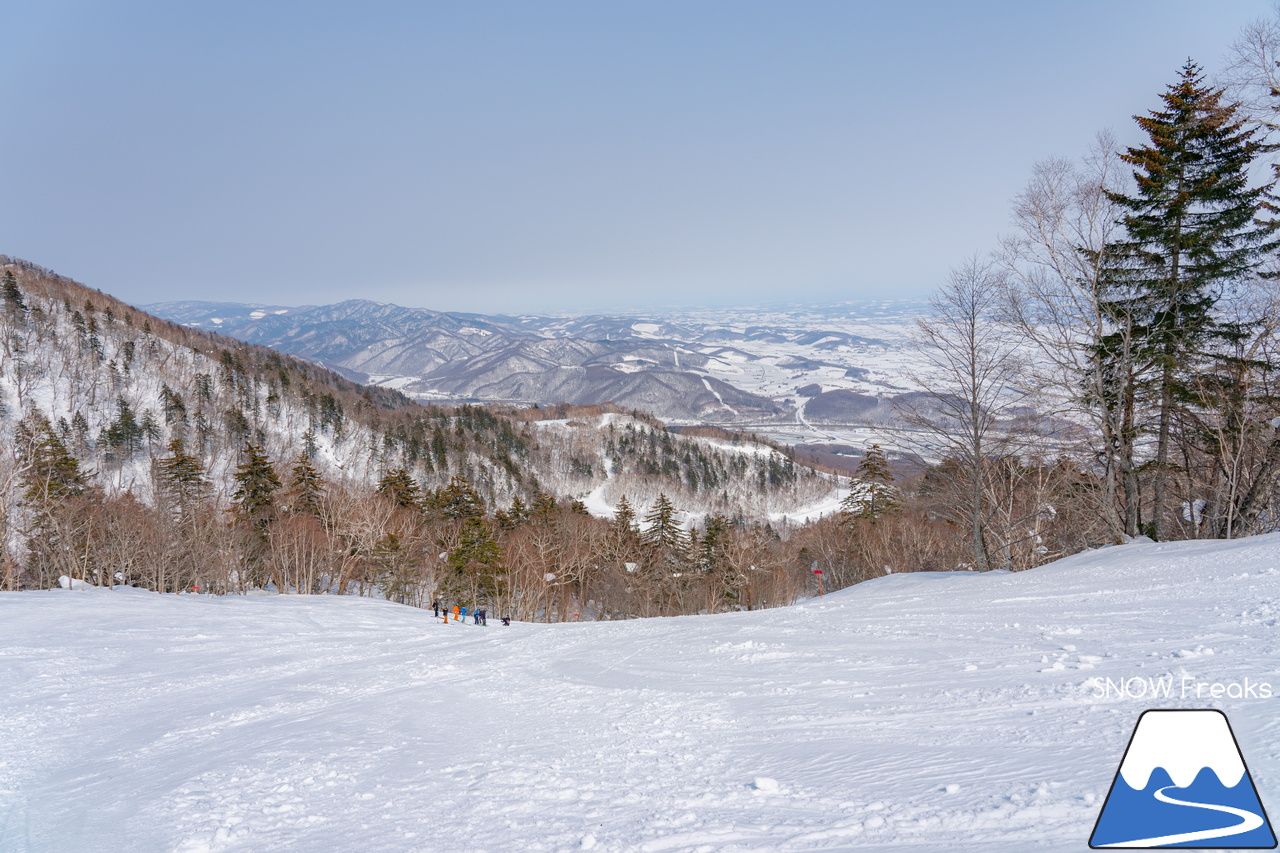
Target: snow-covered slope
[{"x": 914, "y": 712}]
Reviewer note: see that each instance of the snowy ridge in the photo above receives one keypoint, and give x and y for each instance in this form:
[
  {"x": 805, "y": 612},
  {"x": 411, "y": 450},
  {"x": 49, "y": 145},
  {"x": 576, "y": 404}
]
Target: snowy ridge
[{"x": 746, "y": 366}]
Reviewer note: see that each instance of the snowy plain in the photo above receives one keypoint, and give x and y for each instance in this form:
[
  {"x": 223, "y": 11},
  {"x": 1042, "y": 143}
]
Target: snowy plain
[{"x": 911, "y": 713}]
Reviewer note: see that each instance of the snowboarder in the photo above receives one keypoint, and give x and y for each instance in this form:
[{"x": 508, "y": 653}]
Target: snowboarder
[
  {"x": 455, "y": 612},
  {"x": 435, "y": 605},
  {"x": 484, "y": 620},
  {"x": 475, "y": 617},
  {"x": 506, "y": 620}
]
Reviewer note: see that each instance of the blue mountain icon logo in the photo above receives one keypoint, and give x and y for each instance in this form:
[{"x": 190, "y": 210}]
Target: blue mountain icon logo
[{"x": 1183, "y": 783}]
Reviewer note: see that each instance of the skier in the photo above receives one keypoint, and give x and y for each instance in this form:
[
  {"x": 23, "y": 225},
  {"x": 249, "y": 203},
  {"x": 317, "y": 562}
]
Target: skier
[
  {"x": 475, "y": 617},
  {"x": 464, "y": 614},
  {"x": 483, "y": 617},
  {"x": 435, "y": 605},
  {"x": 455, "y": 612}
]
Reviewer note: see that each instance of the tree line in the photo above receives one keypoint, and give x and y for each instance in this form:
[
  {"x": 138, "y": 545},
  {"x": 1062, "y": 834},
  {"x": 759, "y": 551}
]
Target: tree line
[
  {"x": 290, "y": 529},
  {"x": 1116, "y": 357}
]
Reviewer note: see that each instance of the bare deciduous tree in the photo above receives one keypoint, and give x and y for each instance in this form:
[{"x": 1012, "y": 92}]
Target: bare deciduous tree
[
  {"x": 975, "y": 388},
  {"x": 1055, "y": 297}
]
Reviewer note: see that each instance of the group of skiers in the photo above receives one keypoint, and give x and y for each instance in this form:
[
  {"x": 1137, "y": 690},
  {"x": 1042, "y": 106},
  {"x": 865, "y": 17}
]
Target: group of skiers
[{"x": 478, "y": 614}]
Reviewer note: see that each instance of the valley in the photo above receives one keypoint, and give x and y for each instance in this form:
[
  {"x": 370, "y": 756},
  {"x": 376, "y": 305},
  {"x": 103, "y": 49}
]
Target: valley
[{"x": 797, "y": 375}]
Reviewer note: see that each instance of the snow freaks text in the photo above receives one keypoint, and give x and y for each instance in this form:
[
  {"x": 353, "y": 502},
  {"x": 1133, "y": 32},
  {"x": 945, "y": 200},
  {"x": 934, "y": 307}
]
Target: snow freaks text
[{"x": 1171, "y": 687}]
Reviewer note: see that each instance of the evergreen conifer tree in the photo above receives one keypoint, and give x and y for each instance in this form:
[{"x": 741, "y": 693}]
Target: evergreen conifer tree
[
  {"x": 401, "y": 488},
  {"x": 181, "y": 478},
  {"x": 872, "y": 494},
  {"x": 439, "y": 446},
  {"x": 13, "y": 301},
  {"x": 624, "y": 518},
  {"x": 307, "y": 485},
  {"x": 148, "y": 428},
  {"x": 80, "y": 430},
  {"x": 1194, "y": 227},
  {"x": 476, "y": 561},
  {"x": 256, "y": 485},
  {"x": 125, "y": 433},
  {"x": 459, "y": 500},
  {"x": 309, "y": 446},
  {"x": 512, "y": 517},
  {"x": 519, "y": 513},
  {"x": 662, "y": 530},
  {"x": 543, "y": 507},
  {"x": 54, "y": 489},
  {"x": 711, "y": 547},
  {"x": 51, "y": 473}
]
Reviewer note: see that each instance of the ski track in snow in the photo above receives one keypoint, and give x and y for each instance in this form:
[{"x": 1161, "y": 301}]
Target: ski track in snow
[
  {"x": 707, "y": 384},
  {"x": 912, "y": 713}
]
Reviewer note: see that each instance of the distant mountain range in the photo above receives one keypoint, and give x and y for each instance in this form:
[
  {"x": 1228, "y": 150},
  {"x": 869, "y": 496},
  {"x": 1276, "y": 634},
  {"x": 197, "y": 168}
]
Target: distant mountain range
[{"x": 753, "y": 368}]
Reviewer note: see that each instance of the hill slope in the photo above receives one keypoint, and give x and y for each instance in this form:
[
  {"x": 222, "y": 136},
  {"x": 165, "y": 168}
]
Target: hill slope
[
  {"x": 915, "y": 713},
  {"x": 118, "y": 384}
]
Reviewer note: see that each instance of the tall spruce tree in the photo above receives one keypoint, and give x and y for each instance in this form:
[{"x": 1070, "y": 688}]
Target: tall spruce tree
[
  {"x": 666, "y": 549},
  {"x": 459, "y": 500},
  {"x": 625, "y": 517},
  {"x": 256, "y": 485},
  {"x": 13, "y": 301},
  {"x": 54, "y": 489},
  {"x": 125, "y": 433},
  {"x": 662, "y": 531},
  {"x": 181, "y": 479},
  {"x": 542, "y": 509},
  {"x": 1194, "y": 227},
  {"x": 711, "y": 547},
  {"x": 51, "y": 473},
  {"x": 307, "y": 485},
  {"x": 872, "y": 493},
  {"x": 400, "y": 487},
  {"x": 476, "y": 562}
]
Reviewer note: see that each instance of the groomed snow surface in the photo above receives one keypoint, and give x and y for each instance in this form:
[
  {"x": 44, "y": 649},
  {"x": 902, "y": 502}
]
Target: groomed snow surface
[{"x": 915, "y": 712}]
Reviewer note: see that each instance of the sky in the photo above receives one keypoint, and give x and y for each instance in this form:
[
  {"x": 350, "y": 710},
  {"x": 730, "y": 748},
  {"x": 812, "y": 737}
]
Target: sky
[{"x": 555, "y": 155}]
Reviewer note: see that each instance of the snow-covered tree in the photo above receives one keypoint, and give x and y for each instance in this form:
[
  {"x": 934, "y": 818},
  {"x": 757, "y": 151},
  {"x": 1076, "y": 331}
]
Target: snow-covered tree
[{"x": 871, "y": 492}]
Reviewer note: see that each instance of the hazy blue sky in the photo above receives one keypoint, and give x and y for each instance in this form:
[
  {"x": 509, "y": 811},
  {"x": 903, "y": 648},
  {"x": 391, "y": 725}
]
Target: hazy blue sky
[{"x": 497, "y": 156}]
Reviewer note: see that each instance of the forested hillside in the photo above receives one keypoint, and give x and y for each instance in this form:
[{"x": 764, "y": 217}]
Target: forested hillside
[{"x": 140, "y": 451}]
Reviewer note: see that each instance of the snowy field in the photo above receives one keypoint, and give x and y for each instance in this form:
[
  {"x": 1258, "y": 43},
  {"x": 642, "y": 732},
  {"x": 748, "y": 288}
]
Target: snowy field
[{"x": 913, "y": 713}]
